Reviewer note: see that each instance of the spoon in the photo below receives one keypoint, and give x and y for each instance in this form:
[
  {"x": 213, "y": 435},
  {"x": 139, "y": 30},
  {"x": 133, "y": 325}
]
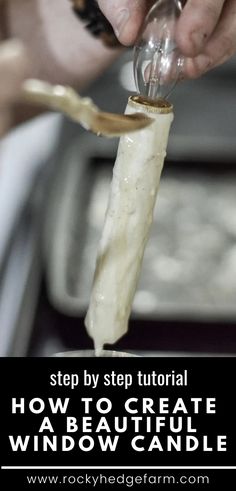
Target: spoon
[{"x": 82, "y": 109}]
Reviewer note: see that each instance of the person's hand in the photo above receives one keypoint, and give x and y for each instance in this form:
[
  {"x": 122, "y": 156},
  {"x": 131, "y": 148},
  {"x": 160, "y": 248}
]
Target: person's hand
[
  {"x": 125, "y": 16},
  {"x": 206, "y": 32},
  {"x": 13, "y": 69}
]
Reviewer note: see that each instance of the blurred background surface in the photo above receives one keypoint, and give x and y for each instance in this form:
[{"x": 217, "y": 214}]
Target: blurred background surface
[{"x": 53, "y": 192}]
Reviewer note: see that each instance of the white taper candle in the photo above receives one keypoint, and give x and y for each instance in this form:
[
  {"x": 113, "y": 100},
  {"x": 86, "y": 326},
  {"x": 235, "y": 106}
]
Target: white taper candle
[{"x": 128, "y": 219}]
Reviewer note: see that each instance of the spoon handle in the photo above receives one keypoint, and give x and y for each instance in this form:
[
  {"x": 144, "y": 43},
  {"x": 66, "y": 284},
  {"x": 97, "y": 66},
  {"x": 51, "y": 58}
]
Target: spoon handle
[{"x": 81, "y": 109}]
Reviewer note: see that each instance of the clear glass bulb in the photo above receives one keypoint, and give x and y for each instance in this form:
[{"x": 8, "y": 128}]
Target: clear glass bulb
[{"x": 157, "y": 60}]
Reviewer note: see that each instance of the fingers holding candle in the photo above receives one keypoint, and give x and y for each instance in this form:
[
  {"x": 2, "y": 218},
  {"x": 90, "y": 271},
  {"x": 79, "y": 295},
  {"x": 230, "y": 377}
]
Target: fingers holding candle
[
  {"x": 206, "y": 35},
  {"x": 198, "y": 20},
  {"x": 125, "y": 16}
]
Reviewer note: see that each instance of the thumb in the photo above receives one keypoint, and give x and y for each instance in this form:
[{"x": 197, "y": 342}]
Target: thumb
[{"x": 125, "y": 17}]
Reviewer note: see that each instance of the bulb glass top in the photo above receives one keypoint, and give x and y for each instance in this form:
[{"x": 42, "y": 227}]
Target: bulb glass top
[{"x": 157, "y": 60}]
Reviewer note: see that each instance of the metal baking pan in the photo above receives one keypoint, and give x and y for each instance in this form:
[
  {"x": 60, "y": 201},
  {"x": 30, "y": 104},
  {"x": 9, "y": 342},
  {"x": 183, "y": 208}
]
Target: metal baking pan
[{"x": 190, "y": 261}]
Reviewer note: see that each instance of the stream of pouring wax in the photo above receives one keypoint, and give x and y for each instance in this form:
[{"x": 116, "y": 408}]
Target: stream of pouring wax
[{"x": 129, "y": 215}]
